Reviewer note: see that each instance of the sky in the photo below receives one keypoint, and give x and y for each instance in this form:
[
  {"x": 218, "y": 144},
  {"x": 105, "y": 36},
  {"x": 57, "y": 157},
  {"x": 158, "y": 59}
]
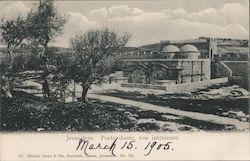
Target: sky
[{"x": 149, "y": 21}]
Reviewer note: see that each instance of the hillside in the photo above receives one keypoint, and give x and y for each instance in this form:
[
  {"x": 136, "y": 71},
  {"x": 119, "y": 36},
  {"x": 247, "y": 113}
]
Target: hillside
[
  {"x": 225, "y": 46},
  {"x": 228, "y": 48}
]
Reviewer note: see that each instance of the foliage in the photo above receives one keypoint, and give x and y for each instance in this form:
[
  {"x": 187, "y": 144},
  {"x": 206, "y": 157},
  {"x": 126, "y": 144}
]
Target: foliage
[
  {"x": 24, "y": 114},
  {"x": 13, "y": 33},
  {"x": 93, "y": 51},
  {"x": 94, "y": 56},
  {"x": 27, "y": 62},
  {"x": 39, "y": 27},
  {"x": 45, "y": 22},
  {"x": 18, "y": 63}
]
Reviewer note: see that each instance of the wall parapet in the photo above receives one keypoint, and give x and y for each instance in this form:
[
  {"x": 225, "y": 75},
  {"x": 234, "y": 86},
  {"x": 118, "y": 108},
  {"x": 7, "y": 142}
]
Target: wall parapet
[
  {"x": 178, "y": 88},
  {"x": 162, "y": 60},
  {"x": 194, "y": 86}
]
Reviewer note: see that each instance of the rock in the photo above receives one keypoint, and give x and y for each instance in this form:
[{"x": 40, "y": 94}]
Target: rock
[
  {"x": 225, "y": 113},
  {"x": 134, "y": 115},
  {"x": 127, "y": 113},
  {"x": 142, "y": 121},
  {"x": 97, "y": 126},
  {"x": 243, "y": 119},
  {"x": 135, "y": 128},
  {"x": 240, "y": 114},
  {"x": 40, "y": 129},
  {"x": 171, "y": 117},
  {"x": 232, "y": 114},
  {"x": 186, "y": 93},
  {"x": 133, "y": 119},
  {"x": 120, "y": 109},
  {"x": 230, "y": 127},
  {"x": 68, "y": 99},
  {"x": 42, "y": 107},
  {"x": 236, "y": 93}
]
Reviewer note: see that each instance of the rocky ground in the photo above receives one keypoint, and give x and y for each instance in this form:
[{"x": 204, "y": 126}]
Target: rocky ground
[{"x": 227, "y": 101}]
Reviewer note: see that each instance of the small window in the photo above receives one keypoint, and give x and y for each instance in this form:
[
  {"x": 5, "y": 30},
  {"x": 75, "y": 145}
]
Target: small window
[{"x": 211, "y": 53}]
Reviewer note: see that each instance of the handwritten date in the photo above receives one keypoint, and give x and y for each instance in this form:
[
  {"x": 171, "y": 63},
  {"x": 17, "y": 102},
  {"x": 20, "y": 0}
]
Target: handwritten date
[{"x": 88, "y": 147}]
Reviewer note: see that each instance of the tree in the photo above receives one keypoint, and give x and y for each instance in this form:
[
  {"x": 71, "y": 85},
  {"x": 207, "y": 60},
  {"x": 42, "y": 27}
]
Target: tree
[
  {"x": 40, "y": 27},
  {"x": 46, "y": 23},
  {"x": 94, "y": 53},
  {"x": 13, "y": 33}
]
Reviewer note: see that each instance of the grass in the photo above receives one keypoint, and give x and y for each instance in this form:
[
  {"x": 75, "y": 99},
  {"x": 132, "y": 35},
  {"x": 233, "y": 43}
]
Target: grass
[
  {"x": 211, "y": 106},
  {"x": 26, "y": 112},
  {"x": 31, "y": 115}
]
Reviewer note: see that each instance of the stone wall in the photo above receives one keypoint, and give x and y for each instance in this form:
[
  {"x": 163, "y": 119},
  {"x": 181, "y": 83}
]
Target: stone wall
[
  {"x": 194, "y": 86},
  {"x": 220, "y": 69},
  {"x": 178, "y": 88},
  {"x": 179, "y": 70},
  {"x": 238, "y": 68},
  {"x": 194, "y": 70},
  {"x": 145, "y": 86}
]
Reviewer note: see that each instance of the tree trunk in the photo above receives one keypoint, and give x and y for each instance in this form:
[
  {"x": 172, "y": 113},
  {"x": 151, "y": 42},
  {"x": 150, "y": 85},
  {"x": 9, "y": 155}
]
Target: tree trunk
[
  {"x": 44, "y": 54},
  {"x": 10, "y": 56},
  {"x": 10, "y": 52},
  {"x": 85, "y": 88},
  {"x": 7, "y": 92},
  {"x": 74, "y": 92},
  {"x": 46, "y": 70},
  {"x": 9, "y": 86}
]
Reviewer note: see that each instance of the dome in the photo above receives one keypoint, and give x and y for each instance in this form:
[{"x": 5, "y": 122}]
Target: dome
[
  {"x": 170, "y": 49},
  {"x": 189, "y": 48}
]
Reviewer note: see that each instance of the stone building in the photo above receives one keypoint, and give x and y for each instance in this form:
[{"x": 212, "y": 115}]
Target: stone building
[{"x": 171, "y": 62}]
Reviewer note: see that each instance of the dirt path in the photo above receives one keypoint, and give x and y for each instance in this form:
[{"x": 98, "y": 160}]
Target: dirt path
[{"x": 194, "y": 115}]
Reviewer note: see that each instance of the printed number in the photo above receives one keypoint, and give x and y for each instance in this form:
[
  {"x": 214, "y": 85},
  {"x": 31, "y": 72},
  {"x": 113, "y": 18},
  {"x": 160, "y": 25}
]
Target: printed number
[{"x": 20, "y": 156}]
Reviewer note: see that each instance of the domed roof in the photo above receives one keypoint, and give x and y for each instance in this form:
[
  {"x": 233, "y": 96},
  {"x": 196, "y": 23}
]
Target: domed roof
[
  {"x": 189, "y": 48},
  {"x": 170, "y": 49}
]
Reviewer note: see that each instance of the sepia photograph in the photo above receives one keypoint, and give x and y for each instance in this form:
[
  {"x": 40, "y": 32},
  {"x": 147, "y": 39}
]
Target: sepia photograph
[
  {"x": 124, "y": 80},
  {"x": 124, "y": 66}
]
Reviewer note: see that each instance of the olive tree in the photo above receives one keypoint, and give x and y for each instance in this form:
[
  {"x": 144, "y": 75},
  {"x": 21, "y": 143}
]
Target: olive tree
[
  {"x": 13, "y": 32},
  {"x": 40, "y": 26},
  {"x": 94, "y": 56},
  {"x": 45, "y": 24}
]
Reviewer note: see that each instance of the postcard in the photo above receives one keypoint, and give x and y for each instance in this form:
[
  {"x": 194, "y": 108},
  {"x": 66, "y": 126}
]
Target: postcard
[{"x": 124, "y": 80}]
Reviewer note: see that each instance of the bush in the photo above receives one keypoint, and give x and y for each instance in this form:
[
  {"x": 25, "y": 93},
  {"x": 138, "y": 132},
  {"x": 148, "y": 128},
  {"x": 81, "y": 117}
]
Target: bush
[{"x": 25, "y": 114}]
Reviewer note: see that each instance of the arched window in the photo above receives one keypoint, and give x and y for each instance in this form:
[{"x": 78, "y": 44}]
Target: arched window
[{"x": 211, "y": 53}]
